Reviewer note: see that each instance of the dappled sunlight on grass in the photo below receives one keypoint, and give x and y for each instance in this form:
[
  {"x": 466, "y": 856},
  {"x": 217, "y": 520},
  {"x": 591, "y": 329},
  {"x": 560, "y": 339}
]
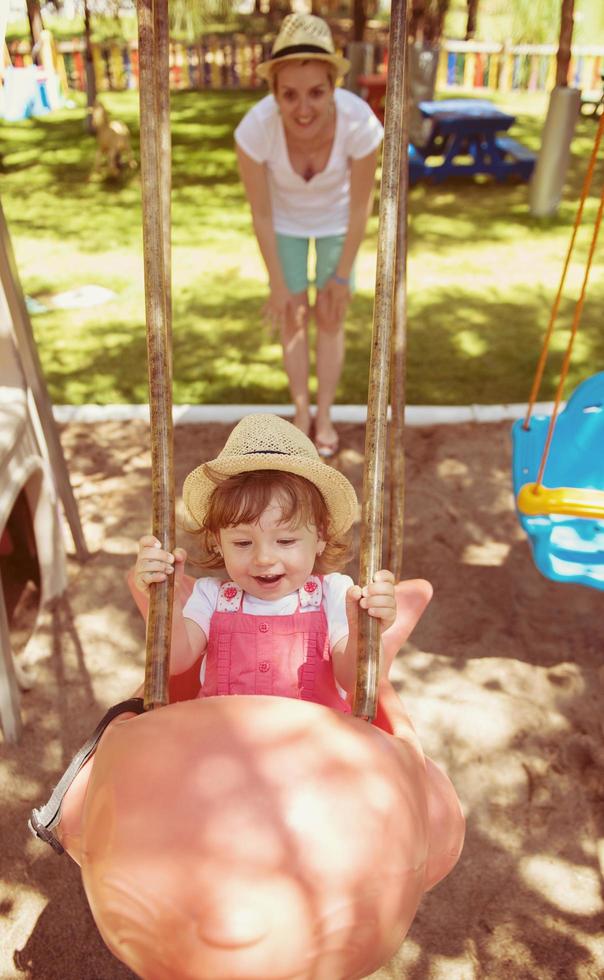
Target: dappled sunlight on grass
[
  {"x": 470, "y": 344},
  {"x": 482, "y": 272}
]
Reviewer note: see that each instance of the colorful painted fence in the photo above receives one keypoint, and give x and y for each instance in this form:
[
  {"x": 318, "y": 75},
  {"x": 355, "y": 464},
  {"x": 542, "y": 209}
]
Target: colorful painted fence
[
  {"x": 230, "y": 61},
  {"x": 220, "y": 62},
  {"x": 528, "y": 67}
]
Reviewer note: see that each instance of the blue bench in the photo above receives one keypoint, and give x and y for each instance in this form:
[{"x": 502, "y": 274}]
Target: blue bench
[
  {"x": 592, "y": 103},
  {"x": 417, "y": 165},
  {"x": 518, "y": 159}
]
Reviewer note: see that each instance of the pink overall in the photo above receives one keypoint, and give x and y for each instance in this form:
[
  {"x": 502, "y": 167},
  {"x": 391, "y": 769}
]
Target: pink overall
[{"x": 286, "y": 656}]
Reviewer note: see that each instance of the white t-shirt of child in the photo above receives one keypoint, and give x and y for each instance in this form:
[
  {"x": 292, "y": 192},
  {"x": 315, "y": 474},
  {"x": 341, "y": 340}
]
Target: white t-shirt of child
[
  {"x": 201, "y": 604},
  {"x": 320, "y": 206}
]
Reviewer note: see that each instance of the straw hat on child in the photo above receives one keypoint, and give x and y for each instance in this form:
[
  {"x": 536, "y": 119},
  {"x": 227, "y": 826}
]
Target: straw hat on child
[
  {"x": 268, "y": 442},
  {"x": 306, "y": 37}
]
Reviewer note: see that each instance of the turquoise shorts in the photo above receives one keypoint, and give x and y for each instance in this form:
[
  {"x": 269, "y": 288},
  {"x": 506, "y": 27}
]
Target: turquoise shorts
[{"x": 293, "y": 253}]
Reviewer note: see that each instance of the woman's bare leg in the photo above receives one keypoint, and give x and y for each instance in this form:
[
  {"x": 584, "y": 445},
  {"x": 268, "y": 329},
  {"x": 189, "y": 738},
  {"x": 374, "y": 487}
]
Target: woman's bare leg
[
  {"x": 330, "y": 359},
  {"x": 294, "y": 338}
]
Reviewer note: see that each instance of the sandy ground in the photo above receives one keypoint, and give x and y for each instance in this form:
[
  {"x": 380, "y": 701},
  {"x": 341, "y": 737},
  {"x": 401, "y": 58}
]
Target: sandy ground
[{"x": 503, "y": 678}]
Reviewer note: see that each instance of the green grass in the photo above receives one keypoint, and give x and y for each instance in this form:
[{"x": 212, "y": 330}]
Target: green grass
[{"x": 482, "y": 272}]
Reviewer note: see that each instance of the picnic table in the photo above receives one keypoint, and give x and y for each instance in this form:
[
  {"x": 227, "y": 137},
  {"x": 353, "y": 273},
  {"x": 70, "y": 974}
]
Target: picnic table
[
  {"x": 592, "y": 101},
  {"x": 467, "y": 138}
]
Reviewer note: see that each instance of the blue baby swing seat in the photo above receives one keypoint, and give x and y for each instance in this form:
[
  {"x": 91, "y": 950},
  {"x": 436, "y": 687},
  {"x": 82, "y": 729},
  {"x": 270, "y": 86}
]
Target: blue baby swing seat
[{"x": 566, "y": 547}]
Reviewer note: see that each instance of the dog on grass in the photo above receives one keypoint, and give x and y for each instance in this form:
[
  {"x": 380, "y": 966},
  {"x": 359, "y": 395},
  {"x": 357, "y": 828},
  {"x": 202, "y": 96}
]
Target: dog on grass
[{"x": 113, "y": 142}]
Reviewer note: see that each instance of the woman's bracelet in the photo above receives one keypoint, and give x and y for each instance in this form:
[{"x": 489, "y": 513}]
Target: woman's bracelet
[{"x": 341, "y": 280}]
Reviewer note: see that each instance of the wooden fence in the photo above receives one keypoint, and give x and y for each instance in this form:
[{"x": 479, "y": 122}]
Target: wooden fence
[{"x": 230, "y": 62}]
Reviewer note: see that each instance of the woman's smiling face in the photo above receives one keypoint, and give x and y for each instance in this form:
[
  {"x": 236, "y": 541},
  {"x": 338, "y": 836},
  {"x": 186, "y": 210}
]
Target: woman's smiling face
[
  {"x": 304, "y": 94},
  {"x": 270, "y": 559}
]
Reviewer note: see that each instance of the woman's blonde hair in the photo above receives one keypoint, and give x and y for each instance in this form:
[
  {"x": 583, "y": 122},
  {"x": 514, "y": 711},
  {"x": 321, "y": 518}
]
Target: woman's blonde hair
[{"x": 243, "y": 498}]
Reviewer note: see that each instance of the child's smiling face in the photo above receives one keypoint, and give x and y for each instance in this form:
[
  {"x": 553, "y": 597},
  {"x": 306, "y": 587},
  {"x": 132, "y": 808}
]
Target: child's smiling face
[{"x": 270, "y": 559}]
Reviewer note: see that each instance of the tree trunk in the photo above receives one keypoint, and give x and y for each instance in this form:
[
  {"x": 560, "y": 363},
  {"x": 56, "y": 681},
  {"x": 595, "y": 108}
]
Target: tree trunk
[
  {"x": 427, "y": 20},
  {"x": 89, "y": 63},
  {"x": 566, "y": 37},
  {"x": 35, "y": 22},
  {"x": 439, "y": 20},
  {"x": 359, "y": 19},
  {"x": 416, "y": 20},
  {"x": 471, "y": 21}
]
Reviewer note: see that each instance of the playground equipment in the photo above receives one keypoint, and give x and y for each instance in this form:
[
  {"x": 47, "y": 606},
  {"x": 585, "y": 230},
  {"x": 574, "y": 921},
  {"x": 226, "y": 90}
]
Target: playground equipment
[
  {"x": 558, "y": 463},
  {"x": 31, "y": 463},
  {"x": 287, "y": 841},
  {"x": 32, "y": 89},
  {"x": 250, "y": 837},
  {"x": 564, "y": 518}
]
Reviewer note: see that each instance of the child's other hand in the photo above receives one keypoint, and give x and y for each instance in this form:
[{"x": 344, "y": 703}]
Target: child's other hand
[
  {"x": 377, "y": 598},
  {"x": 153, "y": 564}
]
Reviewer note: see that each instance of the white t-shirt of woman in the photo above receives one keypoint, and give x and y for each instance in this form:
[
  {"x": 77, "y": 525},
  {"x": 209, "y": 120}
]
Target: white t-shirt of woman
[{"x": 318, "y": 207}]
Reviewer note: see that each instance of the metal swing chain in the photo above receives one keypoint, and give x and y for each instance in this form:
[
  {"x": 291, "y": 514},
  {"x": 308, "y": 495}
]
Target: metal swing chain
[{"x": 365, "y": 697}]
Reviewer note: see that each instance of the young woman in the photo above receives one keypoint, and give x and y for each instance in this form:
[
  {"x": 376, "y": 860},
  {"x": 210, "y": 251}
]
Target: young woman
[{"x": 307, "y": 156}]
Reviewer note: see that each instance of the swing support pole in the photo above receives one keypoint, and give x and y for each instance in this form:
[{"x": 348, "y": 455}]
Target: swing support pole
[
  {"x": 365, "y": 696},
  {"x": 398, "y": 358},
  {"x": 155, "y": 181}
]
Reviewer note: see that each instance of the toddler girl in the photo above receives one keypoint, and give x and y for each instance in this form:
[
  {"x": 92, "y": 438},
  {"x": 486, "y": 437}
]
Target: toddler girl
[{"x": 283, "y": 621}]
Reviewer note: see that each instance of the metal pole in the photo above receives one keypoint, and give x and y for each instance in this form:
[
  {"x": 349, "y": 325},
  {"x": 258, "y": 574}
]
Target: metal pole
[
  {"x": 152, "y": 23},
  {"x": 365, "y": 698},
  {"x": 398, "y": 361}
]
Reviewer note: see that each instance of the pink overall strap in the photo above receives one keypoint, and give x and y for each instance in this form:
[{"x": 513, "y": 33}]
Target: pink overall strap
[
  {"x": 310, "y": 597},
  {"x": 230, "y": 600}
]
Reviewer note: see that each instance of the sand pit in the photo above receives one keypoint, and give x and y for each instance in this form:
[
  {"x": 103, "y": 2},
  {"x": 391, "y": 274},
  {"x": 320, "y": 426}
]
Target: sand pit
[{"x": 503, "y": 678}]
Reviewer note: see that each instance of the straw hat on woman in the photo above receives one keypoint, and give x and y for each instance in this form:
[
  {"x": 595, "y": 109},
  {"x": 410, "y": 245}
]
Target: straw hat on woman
[{"x": 307, "y": 157}]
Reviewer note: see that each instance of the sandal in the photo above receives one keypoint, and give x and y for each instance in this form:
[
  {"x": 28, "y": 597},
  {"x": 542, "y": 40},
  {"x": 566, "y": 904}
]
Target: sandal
[{"x": 327, "y": 449}]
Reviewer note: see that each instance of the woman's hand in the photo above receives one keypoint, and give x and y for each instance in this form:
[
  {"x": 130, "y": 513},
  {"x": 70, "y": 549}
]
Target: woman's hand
[
  {"x": 279, "y": 306},
  {"x": 153, "y": 564},
  {"x": 336, "y": 297}
]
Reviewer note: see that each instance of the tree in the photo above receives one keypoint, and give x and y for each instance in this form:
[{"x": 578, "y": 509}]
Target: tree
[
  {"x": 191, "y": 17},
  {"x": 566, "y": 37},
  {"x": 36, "y": 26},
  {"x": 428, "y": 19},
  {"x": 472, "y": 18},
  {"x": 89, "y": 61},
  {"x": 532, "y": 20},
  {"x": 359, "y": 19}
]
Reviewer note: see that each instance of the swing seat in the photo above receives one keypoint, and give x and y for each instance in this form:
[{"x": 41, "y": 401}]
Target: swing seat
[
  {"x": 564, "y": 518},
  {"x": 262, "y": 838}
]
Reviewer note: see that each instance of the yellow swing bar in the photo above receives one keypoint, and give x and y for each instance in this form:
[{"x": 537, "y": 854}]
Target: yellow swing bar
[{"x": 534, "y": 499}]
